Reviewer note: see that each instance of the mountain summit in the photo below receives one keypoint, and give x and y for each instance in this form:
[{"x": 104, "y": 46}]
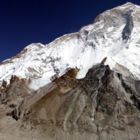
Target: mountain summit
[{"x": 83, "y": 85}]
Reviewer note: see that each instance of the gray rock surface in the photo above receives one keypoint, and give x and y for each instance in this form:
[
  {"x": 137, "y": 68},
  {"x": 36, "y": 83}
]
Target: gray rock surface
[{"x": 102, "y": 106}]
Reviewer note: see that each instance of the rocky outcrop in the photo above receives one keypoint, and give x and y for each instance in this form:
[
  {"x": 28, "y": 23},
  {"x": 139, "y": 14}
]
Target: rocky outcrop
[{"x": 104, "y": 105}]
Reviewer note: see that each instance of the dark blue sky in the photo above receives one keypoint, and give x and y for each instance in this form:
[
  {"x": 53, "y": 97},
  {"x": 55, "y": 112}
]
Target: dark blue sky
[{"x": 26, "y": 21}]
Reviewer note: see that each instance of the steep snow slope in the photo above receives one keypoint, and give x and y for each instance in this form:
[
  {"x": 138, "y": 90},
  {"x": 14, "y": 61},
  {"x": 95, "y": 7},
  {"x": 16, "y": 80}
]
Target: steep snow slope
[{"x": 114, "y": 34}]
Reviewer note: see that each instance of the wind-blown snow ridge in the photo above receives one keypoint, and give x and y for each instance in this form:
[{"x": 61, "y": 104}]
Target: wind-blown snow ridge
[{"x": 114, "y": 34}]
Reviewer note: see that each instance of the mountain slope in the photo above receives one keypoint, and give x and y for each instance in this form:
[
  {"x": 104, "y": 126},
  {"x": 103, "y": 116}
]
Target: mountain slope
[{"x": 104, "y": 105}]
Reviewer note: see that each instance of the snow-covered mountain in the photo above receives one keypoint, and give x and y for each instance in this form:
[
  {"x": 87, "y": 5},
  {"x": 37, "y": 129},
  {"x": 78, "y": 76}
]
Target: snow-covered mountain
[
  {"x": 81, "y": 86},
  {"x": 113, "y": 35}
]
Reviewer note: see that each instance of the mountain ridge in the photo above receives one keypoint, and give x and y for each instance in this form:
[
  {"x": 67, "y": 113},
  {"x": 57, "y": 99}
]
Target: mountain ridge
[{"x": 95, "y": 41}]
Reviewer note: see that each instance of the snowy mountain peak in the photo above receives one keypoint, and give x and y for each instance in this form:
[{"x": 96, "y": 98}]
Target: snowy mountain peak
[
  {"x": 113, "y": 35},
  {"x": 128, "y": 4}
]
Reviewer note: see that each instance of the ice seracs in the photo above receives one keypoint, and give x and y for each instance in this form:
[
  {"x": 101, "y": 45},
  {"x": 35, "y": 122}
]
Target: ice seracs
[{"x": 114, "y": 34}]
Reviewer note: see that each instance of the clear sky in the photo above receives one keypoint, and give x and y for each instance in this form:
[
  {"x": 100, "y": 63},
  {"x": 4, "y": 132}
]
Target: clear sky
[{"x": 30, "y": 21}]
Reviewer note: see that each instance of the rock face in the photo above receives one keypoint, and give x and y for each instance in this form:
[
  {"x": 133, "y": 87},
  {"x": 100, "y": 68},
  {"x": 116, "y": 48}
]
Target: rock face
[
  {"x": 102, "y": 106},
  {"x": 93, "y": 99}
]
